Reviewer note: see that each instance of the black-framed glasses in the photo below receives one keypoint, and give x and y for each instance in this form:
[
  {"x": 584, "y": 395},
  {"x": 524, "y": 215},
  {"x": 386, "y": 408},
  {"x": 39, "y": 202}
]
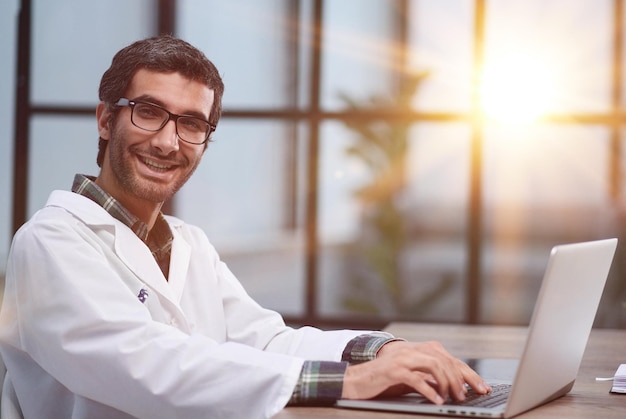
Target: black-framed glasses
[{"x": 151, "y": 117}]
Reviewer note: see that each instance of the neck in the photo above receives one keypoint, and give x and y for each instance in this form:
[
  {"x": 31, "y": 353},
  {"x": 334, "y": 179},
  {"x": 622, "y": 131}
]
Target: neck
[{"x": 145, "y": 210}]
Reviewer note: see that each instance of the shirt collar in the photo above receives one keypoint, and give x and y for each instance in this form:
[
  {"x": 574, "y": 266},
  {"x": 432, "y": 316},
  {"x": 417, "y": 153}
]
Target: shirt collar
[{"x": 86, "y": 186}]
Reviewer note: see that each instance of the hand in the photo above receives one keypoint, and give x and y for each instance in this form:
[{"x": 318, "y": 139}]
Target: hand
[{"x": 402, "y": 367}]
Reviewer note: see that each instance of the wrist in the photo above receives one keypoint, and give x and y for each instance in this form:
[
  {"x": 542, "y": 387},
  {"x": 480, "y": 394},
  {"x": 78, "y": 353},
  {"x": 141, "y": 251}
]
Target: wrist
[
  {"x": 388, "y": 346},
  {"x": 350, "y": 381}
]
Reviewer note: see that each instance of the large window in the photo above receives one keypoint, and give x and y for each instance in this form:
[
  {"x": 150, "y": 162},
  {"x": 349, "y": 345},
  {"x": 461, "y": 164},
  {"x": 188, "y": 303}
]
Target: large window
[
  {"x": 8, "y": 13},
  {"x": 377, "y": 159}
]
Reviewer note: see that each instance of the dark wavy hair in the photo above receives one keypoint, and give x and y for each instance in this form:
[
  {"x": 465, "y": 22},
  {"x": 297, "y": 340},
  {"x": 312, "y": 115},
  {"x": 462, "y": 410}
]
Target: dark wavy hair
[{"x": 165, "y": 54}]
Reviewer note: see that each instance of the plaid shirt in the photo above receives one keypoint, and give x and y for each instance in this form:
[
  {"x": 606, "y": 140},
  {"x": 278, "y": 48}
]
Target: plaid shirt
[
  {"x": 321, "y": 382},
  {"x": 158, "y": 240}
]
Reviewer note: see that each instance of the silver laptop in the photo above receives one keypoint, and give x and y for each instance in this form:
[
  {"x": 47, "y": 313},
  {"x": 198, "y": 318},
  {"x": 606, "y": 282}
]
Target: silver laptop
[{"x": 557, "y": 336}]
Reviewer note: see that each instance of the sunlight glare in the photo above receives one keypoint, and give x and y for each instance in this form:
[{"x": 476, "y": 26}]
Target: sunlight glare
[{"x": 517, "y": 89}]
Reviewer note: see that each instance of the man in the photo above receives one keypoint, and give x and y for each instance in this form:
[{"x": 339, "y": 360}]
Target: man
[{"x": 113, "y": 310}]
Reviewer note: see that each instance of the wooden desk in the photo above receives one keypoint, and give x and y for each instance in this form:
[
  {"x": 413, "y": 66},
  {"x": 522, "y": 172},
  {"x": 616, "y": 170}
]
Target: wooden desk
[{"x": 588, "y": 399}]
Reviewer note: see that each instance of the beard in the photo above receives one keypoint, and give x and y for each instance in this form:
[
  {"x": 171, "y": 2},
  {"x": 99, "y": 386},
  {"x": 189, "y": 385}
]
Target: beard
[{"x": 122, "y": 159}]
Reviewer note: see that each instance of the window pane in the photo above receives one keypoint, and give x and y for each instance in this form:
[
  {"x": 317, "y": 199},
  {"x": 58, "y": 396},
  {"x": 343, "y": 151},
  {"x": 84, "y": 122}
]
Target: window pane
[
  {"x": 543, "y": 186},
  {"x": 393, "y": 249},
  {"x": 74, "y": 41},
  {"x": 241, "y": 195},
  {"x": 8, "y": 30},
  {"x": 441, "y": 43},
  {"x": 561, "y": 166},
  {"x": 612, "y": 311},
  {"x": 60, "y": 147},
  {"x": 555, "y": 55},
  {"x": 358, "y": 50},
  {"x": 252, "y": 45}
]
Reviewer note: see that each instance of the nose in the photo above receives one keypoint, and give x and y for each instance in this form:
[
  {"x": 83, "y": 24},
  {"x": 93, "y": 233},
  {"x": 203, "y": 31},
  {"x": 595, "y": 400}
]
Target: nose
[{"x": 166, "y": 139}]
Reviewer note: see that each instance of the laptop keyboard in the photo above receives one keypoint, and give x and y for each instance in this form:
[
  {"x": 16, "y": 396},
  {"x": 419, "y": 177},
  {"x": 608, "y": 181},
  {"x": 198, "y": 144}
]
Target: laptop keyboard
[{"x": 499, "y": 394}]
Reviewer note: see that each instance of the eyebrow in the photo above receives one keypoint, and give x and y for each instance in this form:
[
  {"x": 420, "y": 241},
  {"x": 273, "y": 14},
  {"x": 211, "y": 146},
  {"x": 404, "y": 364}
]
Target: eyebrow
[{"x": 155, "y": 101}]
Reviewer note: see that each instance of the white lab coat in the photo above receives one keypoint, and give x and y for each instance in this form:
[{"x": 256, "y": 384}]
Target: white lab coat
[{"x": 78, "y": 341}]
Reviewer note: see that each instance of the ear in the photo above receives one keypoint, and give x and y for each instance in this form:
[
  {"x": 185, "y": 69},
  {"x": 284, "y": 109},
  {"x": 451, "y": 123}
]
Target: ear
[{"x": 104, "y": 118}]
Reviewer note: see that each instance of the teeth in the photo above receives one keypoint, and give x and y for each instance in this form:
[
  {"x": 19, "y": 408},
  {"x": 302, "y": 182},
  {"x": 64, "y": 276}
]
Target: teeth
[{"x": 156, "y": 165}]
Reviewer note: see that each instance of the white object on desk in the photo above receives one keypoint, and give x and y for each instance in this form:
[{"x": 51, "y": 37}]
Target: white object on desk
[{"x": 619, "y": 381}]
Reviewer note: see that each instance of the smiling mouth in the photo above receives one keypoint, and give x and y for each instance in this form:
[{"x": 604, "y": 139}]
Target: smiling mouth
[{"x": 159, "y": 167}]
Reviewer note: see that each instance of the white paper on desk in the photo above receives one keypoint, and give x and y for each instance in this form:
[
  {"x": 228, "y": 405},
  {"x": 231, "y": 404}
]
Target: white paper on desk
[{"x": 619, "y": 382}]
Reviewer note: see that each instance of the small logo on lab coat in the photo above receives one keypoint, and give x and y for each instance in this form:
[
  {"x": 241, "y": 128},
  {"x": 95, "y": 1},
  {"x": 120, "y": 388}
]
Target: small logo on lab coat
[{"x": 143, "y": 295}]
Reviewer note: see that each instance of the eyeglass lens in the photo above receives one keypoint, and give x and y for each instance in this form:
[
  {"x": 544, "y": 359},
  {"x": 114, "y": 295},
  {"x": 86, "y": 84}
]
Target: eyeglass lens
[{"x": 153, "y": 118}]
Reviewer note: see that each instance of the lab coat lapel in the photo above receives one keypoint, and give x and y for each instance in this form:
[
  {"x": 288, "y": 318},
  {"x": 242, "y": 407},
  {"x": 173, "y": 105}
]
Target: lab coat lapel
[
  {"x": 129, "y": 248},
  {"x": 136, "y": 255},
  {"x": 179, "y": 264}
]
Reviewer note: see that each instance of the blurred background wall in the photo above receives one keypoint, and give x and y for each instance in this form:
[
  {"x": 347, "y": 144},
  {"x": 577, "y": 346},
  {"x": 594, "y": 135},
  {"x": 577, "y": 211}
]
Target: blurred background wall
[{"x": 377, "y": 160}]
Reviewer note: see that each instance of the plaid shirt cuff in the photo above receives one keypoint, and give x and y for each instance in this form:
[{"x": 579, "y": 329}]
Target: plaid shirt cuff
[
  {"x": 320, "y": 383},
  {"x": 365, "y": 347}
]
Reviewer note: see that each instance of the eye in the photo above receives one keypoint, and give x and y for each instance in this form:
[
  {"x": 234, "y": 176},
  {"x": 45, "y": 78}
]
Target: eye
[
  {"x": 148, "y": 111},
  {"x": 193, "y": 124}
]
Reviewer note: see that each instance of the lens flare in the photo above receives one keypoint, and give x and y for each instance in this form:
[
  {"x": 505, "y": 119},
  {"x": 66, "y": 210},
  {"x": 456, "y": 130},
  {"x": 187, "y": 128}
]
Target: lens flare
[{"x": 517, "y": 89}]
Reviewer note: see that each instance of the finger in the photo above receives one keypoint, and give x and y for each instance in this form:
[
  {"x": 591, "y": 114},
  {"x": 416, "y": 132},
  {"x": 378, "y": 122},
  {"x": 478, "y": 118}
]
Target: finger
[
  {"x": 453, "y": 386},
  {"x": 428, "y": 391},
  {"x": 446, "y": 375},
  {"x": 474, "y": 380},
  {"x": 444, "y": 368},
  {"x": 457, "y": 374},
  {"x": 397, "y": 390},
  {"x": 423, "y": 375}
]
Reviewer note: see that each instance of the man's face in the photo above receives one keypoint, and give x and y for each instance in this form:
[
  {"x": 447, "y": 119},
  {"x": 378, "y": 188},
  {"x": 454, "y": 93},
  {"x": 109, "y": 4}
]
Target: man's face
[{"x": 143, "y": 166}]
